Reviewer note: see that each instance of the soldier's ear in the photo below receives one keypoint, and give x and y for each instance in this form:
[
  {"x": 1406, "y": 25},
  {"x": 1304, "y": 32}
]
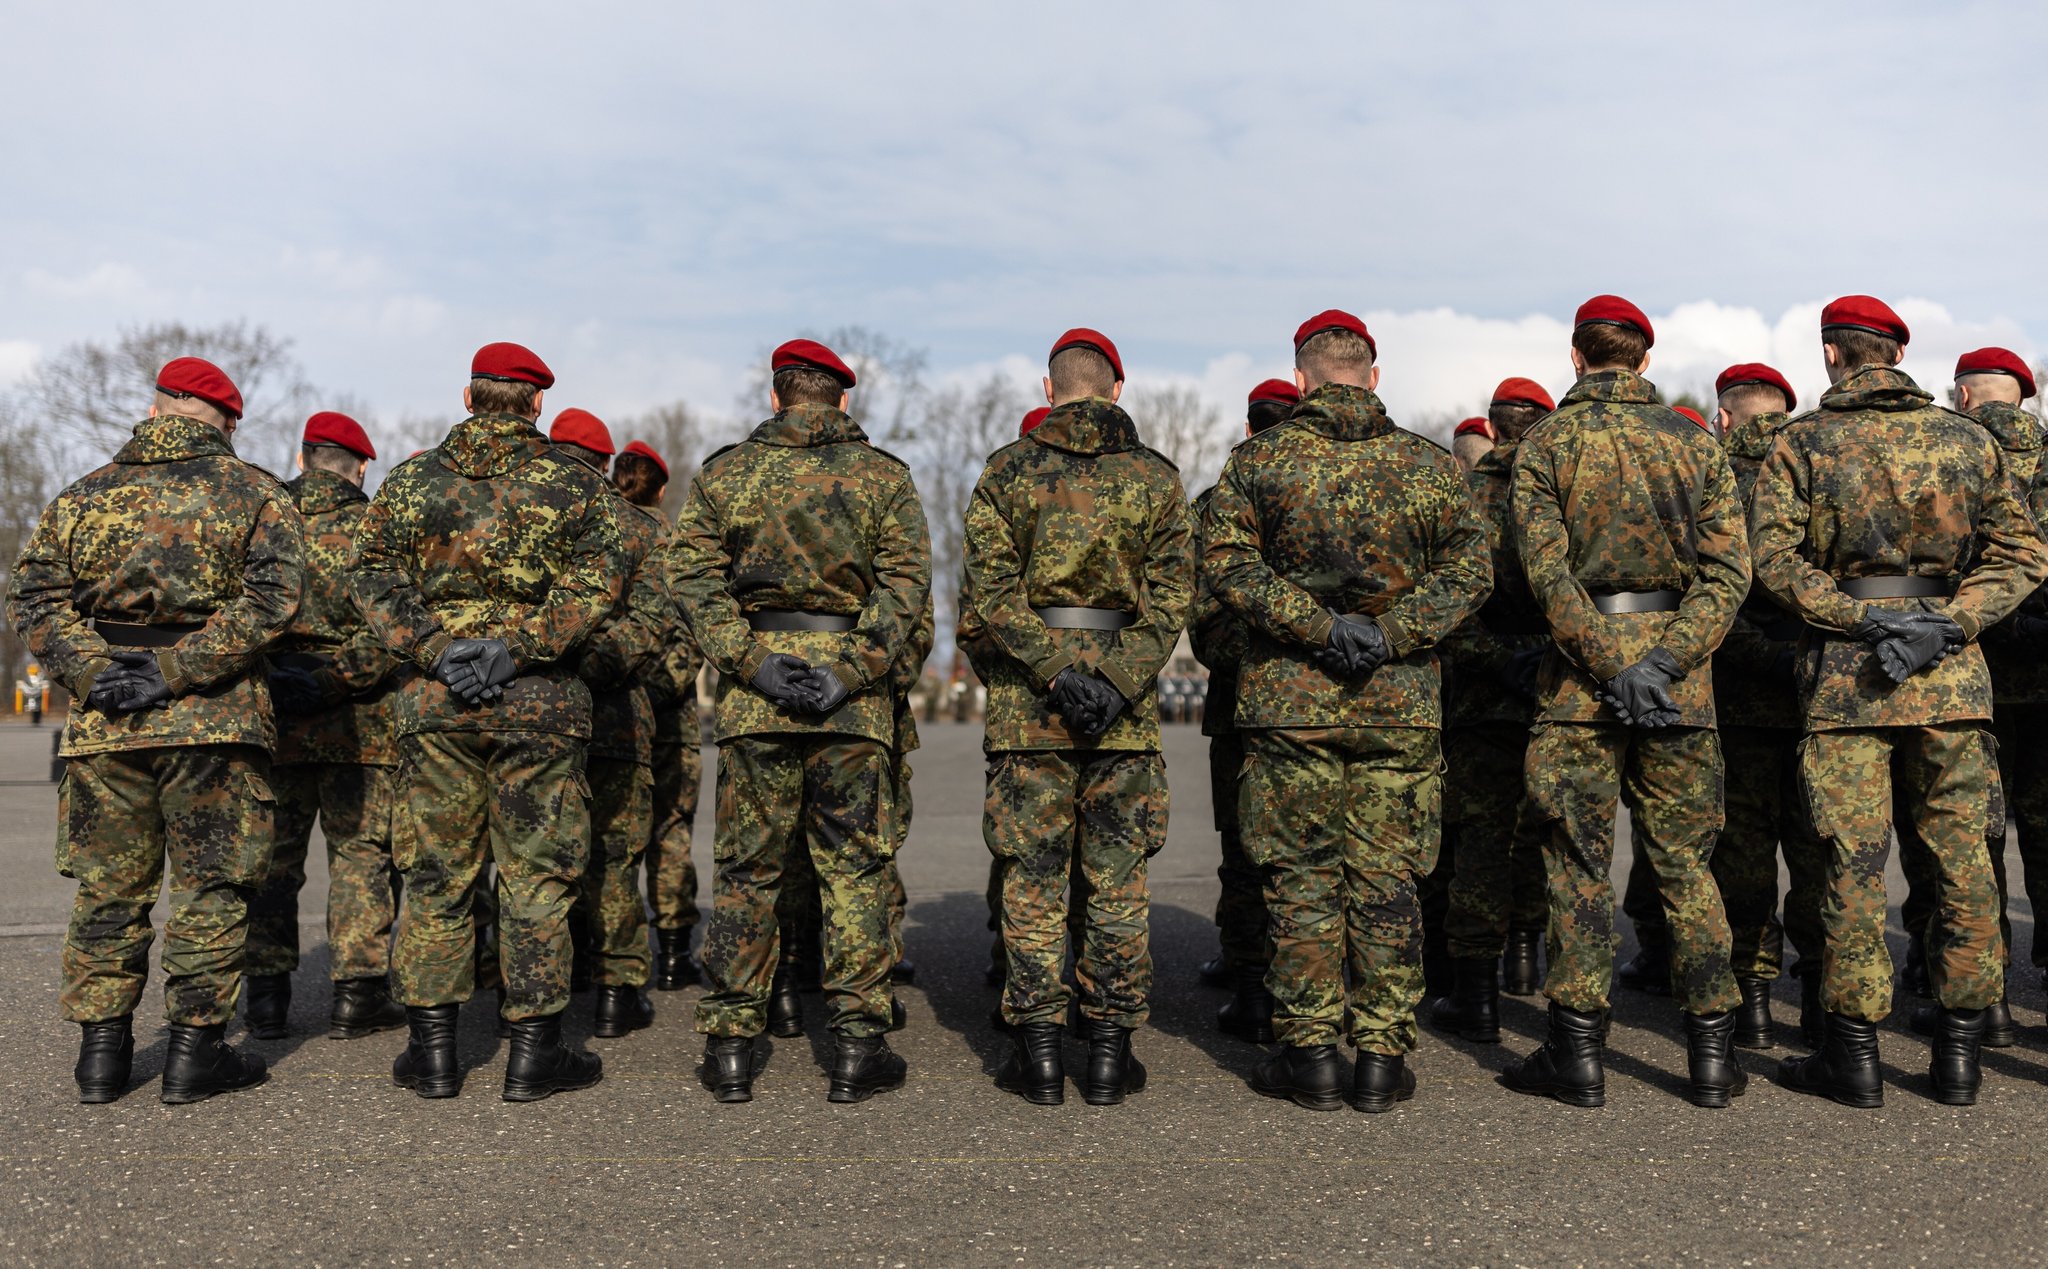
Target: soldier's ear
[
  {"x": 1372, "y": 379},
  {"x": 467, "y": 408},
  {"x": 1047, "y": 381},
  {"x": 1962, "y": 399},
  {"x": 1643, "y": 366},
  {"x": 1116, "y": 390},
  {"x": 844, "y": 397},
  {"x": 1301, "y": 383},
  {"x": 1578, "y": 364},
  {"x": 774, "y": 401}
]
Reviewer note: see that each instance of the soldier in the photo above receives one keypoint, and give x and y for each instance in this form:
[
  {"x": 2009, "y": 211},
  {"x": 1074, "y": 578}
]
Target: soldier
[
  {"x": 1472, "y": 441},
  {"x": 803, "y": 562},
  {"x": 333, "y": 683},
  {"x": 1493, "y": 914},
  {"x": 1631, "y": 536},
  {"x": 1889, "y": 525},
  {"x": 1220, "y": 639},
  {"x": 620, "y": 759},
  {"x": 150, "y": 589},
  {"x": 1080, "y": 569},
  {"x": 488, "y": 562},
  {"x": 1348, "y": 547}
]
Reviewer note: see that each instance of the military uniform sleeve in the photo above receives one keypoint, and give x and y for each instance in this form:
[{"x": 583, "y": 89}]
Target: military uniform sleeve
[
  {"x": 273, "y": 585},
  {"x": 360, "y": 665},
  {"x": 1778, "y": 519},
  {"x": 1721, "y": 580},
  {"x": 700, "y": 574},
  {"x": 1544, "y": 544},
  {"x": 1145, "y": 646},
  {"x": 1459, "y": 579},
  {"x": 381, "y": 580},
  {"x": 903, "y": 587},
  {"x": 583, "y": 594},
  {"x": 994, "y": 569},
  {"x": 631, "y": 643},
  {"x": 2010, "y": 558},
  {"x": 39, "y": 596},
  {"x": 1235, "y": 559}
]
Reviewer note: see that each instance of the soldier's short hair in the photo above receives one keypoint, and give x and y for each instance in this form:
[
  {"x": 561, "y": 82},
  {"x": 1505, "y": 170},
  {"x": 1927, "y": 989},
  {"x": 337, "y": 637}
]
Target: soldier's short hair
[
  {"x": 1861, "y": 347},
  {"x": 1334, "y": 356},
  {"x": 1513, "y": 419},
  {"x": 502, "y": 396},
  {"x": 1744, "y": 401},
  {"x": 330, "y": 458},
  {"x": 1261, "y": 415},
  {"x": 807, "y": 385},
  {"x": 185, "y": 405},
  {"x": 1992, "y": 385},
  {"x": 1080, "y": 371},
  {"x": 1605, "y": 345},
  {"x": 638, "y": 479},
  {"x": 1470, "y": 448}
]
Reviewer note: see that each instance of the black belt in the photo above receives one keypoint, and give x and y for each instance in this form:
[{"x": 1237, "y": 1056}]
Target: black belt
[
  {"x": 786, "y": 620},
  {"x": 1620, "y": 603},
  {"x": 302, "y": 660},
  {"x": 129, "y": 634},
  {"x": 1085, "y": 618},
  {"x": 1902, "y": 587}
]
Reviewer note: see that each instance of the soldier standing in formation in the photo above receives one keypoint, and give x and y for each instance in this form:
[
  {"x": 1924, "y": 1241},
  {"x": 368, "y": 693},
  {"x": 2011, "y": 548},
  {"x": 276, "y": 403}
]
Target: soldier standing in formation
[
  {"x": 150, "y": 589},
  {"x": 1079, "y": 562},
  {"x": 803, "y": 564},
  {"x": 1350, "y": 549},
  {"x": 332, "y": 682},
  {"x": 1889, "y": 525},
  {"x": 488, "y": 562}
]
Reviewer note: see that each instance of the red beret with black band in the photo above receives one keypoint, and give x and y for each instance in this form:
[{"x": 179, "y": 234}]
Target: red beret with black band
[
  {"x": 1864, "y": 312},
  {"x": 811, "y": 354},
  {"x": 511, "y": 363},
  {"x": 1520, "y": 391},
  {"x": 1334, "y": 319},
  {"x": 584, "y": 429},
  {"x": 1032, "y": 420},
  {"x": 198, "y": 377},
  {"x": 1277, "y": 390},
  {"x": 1756, "y": 372},
  {"x": 1612, "y": 310},
  {"x": 332, "y": 428},
  {"x": 1475, "y": 427},
  {"x": 1997, "y": 361},
  {"x": 641, "y": 449},
  {"x": 1082, "y": 337}
]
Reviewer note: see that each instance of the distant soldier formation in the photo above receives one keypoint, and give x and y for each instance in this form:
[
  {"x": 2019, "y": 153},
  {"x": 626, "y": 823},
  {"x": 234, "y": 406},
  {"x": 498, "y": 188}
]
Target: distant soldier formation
[{"x": 1435, "y": 677}]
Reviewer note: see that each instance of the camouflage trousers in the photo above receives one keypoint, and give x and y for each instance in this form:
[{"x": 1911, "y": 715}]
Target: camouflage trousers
[
  {"x": 1077, "y": 909},
  {"x": 1345, "y": 822},
  {"x": 1241, "y": 926},
  {"x": 1495, "y": 845},
  {"x": 2022, "y": 735},
  {"x": 204, "y": 813},
  {"x": 671, "y": 881},
  {"x": 352, "y": 804},
  {"x": 1671, "y": 781},
  {"x": 516, "y": 799},
  {"x": 1044, "y": 812},
  {"x": 1949, "y": 777},
  {"x": 608, "y": 906},
  {"x": 800, "y": 908},
  {"x": 830, "y": 796}
]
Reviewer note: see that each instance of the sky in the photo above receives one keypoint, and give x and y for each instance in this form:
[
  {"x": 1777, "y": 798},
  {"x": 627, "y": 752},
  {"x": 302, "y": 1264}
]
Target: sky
[{"x": 652, "y": 195}]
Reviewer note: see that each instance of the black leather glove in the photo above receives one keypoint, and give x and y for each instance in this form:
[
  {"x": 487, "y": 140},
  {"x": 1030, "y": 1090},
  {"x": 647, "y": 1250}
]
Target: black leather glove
[
  {"x": 477, "y": 670},
  {"x": 1908, "y": 642},
  {"x": 1527, "y": 664},
  {"x": 135, "y": 681},
  {"x": 1104, "y": 704},
  {"x": 784, "y": 679},
  {"x": 2030, "y": 627},
  {"x": 1355, "y": 648},
  {"x": 294, "y": 691},
  {"x": 1640, "y": 694},
  {"x": 1069, "y": 698},
  {"x": 822, "y": 689}
]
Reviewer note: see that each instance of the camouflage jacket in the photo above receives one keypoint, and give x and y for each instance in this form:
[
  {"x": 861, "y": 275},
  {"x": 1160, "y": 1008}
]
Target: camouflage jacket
[
  {"x": 1339, "y": 511},
  {"x": 1613, "y": 492},
  {"x": 1480, "y": 679},
  {"x": 2019, "y": 670},
  {"x": 175, "y": 530},
  {"x": 1753, "y": 680},
  {"x": 671, "y": 679},
  {"x": 1879, "y": 481},
  {"x": 615, "y": 660},
  {"x": 492, "y": 534},
  {"x": 1079, "y": 514},
  {"x": 909, "y": 670},
  {"x": 355, "y": 669},
  {"x": 1218, "y": 635},
  {"x": 804, "y": 515}
]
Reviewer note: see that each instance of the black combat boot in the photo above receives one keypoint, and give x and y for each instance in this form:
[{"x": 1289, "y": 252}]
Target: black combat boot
[
  {"x": 1913, "y": 979},
  {"x": 1521, "y": 972},
  {"x": 267, "y": 1000},
  {"x": 1378, "y": 1081},
  {"x": 673, "y": 968},
  {"x": 1035, "y": 1069},
  {"x": 1954, "y": 1071},
  {"x": 1472, "y": 1009},
  {"x": 862, "y": 1067},
  {"x": 1844, "y": 1068},
  {"x": 1436, "y": 963},
  {"x": 1710, "y": 1060},
  {"x": 899, "y": 1017},
  {"x": 106, "y": 1052},
  {"x": 427, "y": 1066},
  {"x": 1753, "y": 1016},
  {"x": 728, "y": 1069},
  {"x": 1248, "y": 1014},
  {"x": 1567, "y": 1067},
  {"x": 363, "y": 1006},
  {"x": 1308, "y": 1075},
  {"x": 1648, "y": 971},
  {"x": 1214, "y": 972},
  {"x": 785, "y": 1003},
  {"x": 1113, "y": 1070},
  {"x": 200, "y": 1064},
  {"x": 904, "y": 971},
  {"x": 1813, "y": 1019},
  {"x": 620, "y": 1009},
  {"x": 542, "y": 1065},
  {"x": 1999, "y": 1031}
]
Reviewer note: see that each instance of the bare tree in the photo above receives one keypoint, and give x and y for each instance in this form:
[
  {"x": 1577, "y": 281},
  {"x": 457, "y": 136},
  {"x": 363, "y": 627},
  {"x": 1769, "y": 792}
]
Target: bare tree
[
  {"x": 28, "y": 480},
  {"x": 1177, "y": 422},
  {"x": 957, "y": 429}
]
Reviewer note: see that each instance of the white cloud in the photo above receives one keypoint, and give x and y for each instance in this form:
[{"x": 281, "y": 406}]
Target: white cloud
[
  {"x": 110, "y": 281},
  {"x": 17, "y": 358}
]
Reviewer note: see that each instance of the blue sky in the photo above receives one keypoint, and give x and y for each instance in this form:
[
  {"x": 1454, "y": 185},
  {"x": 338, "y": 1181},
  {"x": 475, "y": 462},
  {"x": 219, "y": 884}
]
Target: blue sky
[{"x": 651, "y": 195}]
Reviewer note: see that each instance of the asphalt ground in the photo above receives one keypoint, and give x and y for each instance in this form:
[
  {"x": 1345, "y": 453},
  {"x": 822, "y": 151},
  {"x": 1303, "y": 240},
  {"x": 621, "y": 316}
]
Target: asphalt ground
[{"x": 329, "y": 1164}]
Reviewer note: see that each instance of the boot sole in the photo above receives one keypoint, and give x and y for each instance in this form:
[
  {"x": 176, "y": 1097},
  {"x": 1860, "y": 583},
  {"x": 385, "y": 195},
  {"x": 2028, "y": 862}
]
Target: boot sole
[
  {"x": 1712, "y": 1098},
  {"x": 1307, "y": 1101},
  {"x": 615, "y": 1030},
  {"x": 432, "y": 1090},
  {"x": 1099, "y": 1096},
  {"x": 1955, "y": 1097},
  {"x": 1854, "y": 1101},
  {"x": 848, "y": 1094},
  {"x": 2000, "y": 1039},
  {"x": 786, "y": 1030},
  {"x": 1583, "y": 1098},
  {"x": 187, "y": 1096},
  {"x": 273, "y": 1031},
  {"x": 357, "y": 1030},
  {"x": 541, "y": 1092},
  {"x": 100, "y": 1094},
  {"x": 1037, "y": 1096},
  {"x": 1754, "y": 1042},
  {"x": 1378, "y": 1105}
]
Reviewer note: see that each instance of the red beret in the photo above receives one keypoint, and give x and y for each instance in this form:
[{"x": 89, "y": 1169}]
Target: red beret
[
  {"x": 1612, "y": 310},
  {"x": 810, "y": 353},
  {"x": 1997, "y": 361},
  {"x": 639, "y": 449},
  {"x": 581, "y": 427},
  {"x": 1755, "y": 372},
  {"x": 1864, "y": 312},
  {"x": 1082, "y": 337},
  {"x": 1692, "y": 414},
  {"x": 1475, "y": 427},
  {"x": 197, "y": 377},
  {"x": 1334, "y": 319},
  {"x": 330, "y": 428},
  {"x": 1031, "y": 420},
  {"x": 1520, "y": 391},
  {"x": 1279, "y": 390},
  {"x": 511, "y": 363}
]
